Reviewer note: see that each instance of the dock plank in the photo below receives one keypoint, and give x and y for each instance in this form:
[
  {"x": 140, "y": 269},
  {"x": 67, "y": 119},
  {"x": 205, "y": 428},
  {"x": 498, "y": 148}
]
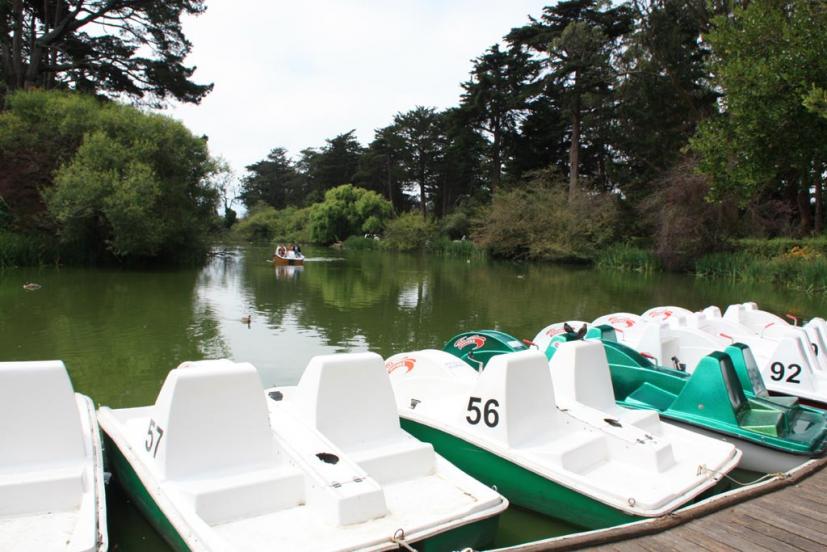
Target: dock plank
[{"x": 792, "y": 518}]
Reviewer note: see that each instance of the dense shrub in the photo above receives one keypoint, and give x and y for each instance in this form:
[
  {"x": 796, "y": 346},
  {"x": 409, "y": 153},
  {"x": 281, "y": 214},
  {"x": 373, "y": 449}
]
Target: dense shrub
[
  {"x": 686, "y": 224},
  {"x": 115, "y": 181},
  {"x": 264, "y": 223},
  {"x": 538, "y": 222},
  {"x": 409, "y": 232},
  {"x": 346, "y": 211}
]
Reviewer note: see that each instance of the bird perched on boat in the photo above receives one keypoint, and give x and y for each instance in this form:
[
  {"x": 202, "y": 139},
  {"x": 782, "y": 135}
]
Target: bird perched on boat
[{"x": 31, "y": 286}]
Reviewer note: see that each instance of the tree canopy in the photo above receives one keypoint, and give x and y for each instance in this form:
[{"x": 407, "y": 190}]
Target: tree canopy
[
  {"x": 134, "y": 48},
  {"x": 116, "y": 182}
]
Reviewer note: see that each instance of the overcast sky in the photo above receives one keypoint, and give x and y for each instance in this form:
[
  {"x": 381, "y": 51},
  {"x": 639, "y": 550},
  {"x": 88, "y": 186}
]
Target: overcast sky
[{"x": 293, "y": 73}]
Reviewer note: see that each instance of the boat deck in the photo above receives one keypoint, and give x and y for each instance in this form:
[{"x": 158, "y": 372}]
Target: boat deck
[
  {"x": 793, "y": 518},
  {"x": 788, "y": 513}
]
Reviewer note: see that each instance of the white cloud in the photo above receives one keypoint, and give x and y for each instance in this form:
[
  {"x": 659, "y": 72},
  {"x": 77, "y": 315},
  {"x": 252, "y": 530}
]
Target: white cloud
[{"x": 292, "y": 74}]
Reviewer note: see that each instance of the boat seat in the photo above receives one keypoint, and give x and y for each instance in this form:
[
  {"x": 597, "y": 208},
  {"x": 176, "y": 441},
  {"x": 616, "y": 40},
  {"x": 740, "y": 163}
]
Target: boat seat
[
  {"x": 348, "y": 398},
  {"x": 581, "y": 374},
  {"x": 651, "y": 396},
  {"x": 242, "y": 495},
  {"x": 217, "y": 448},
  {"x": 37, "y": 491},
  {"x": 648, "y": 420},
  {"x": 518, "y": 387},
  {"x": 41, "y": 439},
  {"x": 576, "y": 452}
]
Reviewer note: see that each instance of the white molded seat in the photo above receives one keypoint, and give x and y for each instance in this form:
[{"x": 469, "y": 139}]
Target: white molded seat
[
  {"x": 526, "y": 411},
  {"x": 348, "y": 398},
  {"x": 581, "y": 375},
  {"x": 217, "y": 447},
  {"x": 41, "y": 439}
]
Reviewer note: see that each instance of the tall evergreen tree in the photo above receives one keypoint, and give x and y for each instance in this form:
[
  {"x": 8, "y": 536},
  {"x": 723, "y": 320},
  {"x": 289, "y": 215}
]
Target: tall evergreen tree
[
  {"x": 274, "y": 181},
  {"x": 495, "y": 99},
  {"x": 111, "y": 47},
  {"x": 579, "y": 37}
]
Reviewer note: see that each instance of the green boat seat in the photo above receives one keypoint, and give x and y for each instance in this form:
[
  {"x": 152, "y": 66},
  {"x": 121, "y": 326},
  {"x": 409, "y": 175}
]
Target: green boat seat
[
  {"x": 41, "y": 439},
  {"x": 349, "y": 399},
  {"x": 217, "y": 450},
  {"x": 651, "y": 396},
  {"x": 768, "y": 422}
]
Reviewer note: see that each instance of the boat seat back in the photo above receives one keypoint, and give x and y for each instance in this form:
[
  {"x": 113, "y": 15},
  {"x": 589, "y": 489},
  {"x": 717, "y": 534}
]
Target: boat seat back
[
  {"x": 581, "y": 375},
  {"x": 40, "y": 425},
  {"x": 214, "y": 421},
  {"x": 349, "y": 399},
  {"x": 513, "y": 401},
  {"x": 714, "y": 390}
]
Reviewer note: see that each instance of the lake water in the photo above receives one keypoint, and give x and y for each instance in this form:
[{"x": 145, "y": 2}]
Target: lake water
[{"x": 119, "y": 332}]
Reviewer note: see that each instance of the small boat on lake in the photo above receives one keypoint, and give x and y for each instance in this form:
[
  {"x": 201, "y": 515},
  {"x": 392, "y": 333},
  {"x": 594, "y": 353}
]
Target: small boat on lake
[
  {"x": 51, "y": 467},
  {"x": 287, "y": 256},
  {"x": 722, "y": 396},
  {"x": 217, "y": 464},
  {"x": 544, "y": 445}
]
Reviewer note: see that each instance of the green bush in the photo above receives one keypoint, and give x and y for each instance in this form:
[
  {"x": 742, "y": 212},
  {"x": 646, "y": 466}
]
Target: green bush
[
  {"x": 539, "y": 222},
  {"x": 346, "y": 211},
  {"x": 264, "y": 223},
  {"x": 409, "y": 232},
  {"x": 117, "y": 182}
]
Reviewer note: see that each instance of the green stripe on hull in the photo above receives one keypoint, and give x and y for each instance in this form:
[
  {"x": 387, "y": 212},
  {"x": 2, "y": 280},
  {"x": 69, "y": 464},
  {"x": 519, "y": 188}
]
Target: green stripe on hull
[
  {"x": 475, "y": 535},
  {"x": 131, "y": 483},
  {"x": 519, "y": 485}
]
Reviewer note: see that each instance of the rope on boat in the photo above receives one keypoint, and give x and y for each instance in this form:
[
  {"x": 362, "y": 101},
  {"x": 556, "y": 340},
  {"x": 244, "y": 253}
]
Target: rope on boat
[
  {"x": 398, "y": 538},
  {"x": 774, "y": 475}
]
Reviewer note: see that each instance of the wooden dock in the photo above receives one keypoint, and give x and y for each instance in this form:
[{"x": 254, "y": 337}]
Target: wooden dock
[
  {"x": 786, "y": 513},
  {"x": 793, "y": 518}
]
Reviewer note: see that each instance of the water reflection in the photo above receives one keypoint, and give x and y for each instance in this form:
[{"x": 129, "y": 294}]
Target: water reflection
[{"x": 120, "y": 332}]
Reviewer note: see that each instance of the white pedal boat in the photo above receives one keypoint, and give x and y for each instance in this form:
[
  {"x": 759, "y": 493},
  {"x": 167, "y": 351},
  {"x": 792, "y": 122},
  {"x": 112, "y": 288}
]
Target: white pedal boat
[
  {"x": 785, "y": 356},
  {"x": 215, "y": 469},
  {"x": 558, "y": 445},
  {"x": 51, "y": 467},
  {"x": 769, "y": 325}
]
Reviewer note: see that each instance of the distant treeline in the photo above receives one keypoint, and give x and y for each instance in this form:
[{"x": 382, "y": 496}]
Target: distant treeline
[{"x": 684, "y": 123}]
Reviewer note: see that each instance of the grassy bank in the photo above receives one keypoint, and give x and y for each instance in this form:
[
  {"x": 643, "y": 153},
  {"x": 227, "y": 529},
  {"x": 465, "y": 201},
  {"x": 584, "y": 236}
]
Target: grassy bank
[
  {"x": 626, "y": 258},
  {"x": 796, "y": 264},
  {"x": 438, "y": 246},
  {"x": 26, "y": 250}
]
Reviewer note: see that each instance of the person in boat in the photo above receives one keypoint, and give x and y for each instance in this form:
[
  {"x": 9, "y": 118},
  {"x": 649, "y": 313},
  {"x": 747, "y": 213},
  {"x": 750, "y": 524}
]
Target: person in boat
[
  {"x": 280, "y": 250},
  {"x": 297, "y": 250},
  {"x": 291, "y": 254}
]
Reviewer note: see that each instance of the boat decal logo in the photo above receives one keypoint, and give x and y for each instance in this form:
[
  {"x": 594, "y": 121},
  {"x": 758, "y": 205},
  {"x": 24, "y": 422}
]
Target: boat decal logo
[
  {"x": 616, "y": 321},
  {"x": 476, "y": 340},
  {"x": 663, "y": 314},
  {"x": 407, "y": 362},
  {"x": 555, "y": 330}
]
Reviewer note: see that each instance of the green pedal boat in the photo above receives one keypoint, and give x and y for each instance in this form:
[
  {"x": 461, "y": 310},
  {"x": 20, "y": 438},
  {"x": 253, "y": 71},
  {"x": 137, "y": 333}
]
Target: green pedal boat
[
  {"x": 723, "y": 397},
  {"x": 559, "y": 456}
]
